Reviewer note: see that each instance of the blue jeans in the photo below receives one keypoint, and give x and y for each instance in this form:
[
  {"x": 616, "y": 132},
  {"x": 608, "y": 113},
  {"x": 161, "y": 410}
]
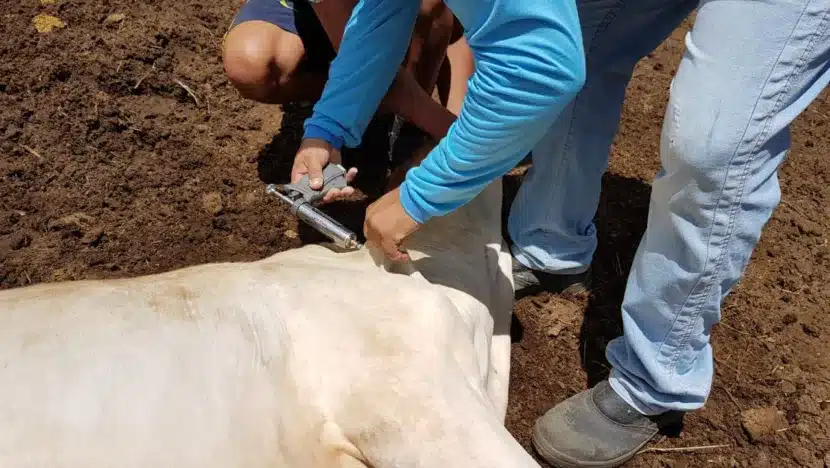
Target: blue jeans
[{"x": 748, "y": 70}]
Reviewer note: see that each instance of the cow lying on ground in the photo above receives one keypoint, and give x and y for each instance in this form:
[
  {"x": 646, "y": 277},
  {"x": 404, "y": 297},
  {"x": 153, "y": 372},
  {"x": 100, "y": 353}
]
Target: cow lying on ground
[{"x": 306, "y": 359}]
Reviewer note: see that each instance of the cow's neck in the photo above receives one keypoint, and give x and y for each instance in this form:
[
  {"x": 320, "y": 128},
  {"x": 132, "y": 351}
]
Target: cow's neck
[
  {"x": 461, "y": 250},
  {"x": 465, "y": 232}
]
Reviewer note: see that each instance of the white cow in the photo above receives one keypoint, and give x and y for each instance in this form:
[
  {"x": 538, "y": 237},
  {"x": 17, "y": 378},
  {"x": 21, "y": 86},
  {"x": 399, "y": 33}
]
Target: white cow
[{"x": 306, "y": 359}]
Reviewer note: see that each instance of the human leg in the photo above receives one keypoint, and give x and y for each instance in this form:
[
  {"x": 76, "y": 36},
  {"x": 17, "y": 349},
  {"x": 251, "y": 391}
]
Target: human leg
[
  {"x": 725, "y": 133},
  {"x": 455, "y": 71},
  {"x": 448, "y": 66},
  {"x": 551, "y": 220},
  {"x": 277, "y": 52}
]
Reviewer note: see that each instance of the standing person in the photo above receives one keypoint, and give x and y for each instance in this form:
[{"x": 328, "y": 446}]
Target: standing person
[{"x": 748, "y": 70}]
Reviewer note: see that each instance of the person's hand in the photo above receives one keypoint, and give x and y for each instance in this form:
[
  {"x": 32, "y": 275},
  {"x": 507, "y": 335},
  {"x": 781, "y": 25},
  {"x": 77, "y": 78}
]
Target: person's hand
[
  {"x": 387, "y": 225},
  {"x": 311, "y": 158}
]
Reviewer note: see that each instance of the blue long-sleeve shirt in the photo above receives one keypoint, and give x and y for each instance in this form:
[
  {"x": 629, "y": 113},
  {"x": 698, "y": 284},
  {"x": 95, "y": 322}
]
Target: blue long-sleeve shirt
[{"x": 529, "y": 64}]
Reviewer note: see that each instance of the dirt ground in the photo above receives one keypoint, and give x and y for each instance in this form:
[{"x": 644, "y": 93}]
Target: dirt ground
[{"x": 125, "y": 151}]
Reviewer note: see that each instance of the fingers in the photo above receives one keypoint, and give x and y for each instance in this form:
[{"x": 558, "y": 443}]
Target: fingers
[
  {"x": 391, "y": 250},
  {"x": 350, "y": 175},
  {"x": 312, "y": 156},
  {"x": 297, "y": 171},
  {"x": 315, "y": 173},
  {"x": 389, "y": 247},
  {"x": 335, "y": 194}
]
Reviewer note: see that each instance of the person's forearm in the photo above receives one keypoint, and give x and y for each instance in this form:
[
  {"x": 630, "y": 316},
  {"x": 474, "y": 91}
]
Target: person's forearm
[
  {"x": 412, "y": 103},
  {"x": 523, "y": 79},
  {"x": 370, "y": 52},
  {"x": 433, "y": 118}
]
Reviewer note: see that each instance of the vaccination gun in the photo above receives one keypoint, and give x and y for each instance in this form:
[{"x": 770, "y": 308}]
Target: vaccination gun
[{"x": 300, "y": 197}]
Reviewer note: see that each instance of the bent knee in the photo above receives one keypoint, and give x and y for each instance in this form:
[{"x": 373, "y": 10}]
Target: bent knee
[
  {"x": 258, "y": 57},
  {"x": 702, "y": 136},
  {"x": 248, "y": 57}
]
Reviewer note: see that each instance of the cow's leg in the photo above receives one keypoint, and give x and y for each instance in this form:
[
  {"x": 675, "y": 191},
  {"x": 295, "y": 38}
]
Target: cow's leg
[{"x": 498, "y": 379}]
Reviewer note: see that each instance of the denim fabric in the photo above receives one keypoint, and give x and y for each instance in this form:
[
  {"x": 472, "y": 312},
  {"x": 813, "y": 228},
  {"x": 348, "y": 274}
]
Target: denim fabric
[{"x": 748, "y": 70}]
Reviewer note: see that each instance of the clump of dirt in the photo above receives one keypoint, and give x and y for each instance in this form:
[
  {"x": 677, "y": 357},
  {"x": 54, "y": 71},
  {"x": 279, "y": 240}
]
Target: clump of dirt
[
  {"x": 124, "y": 151},
  {"x": 761, "y": 423}
]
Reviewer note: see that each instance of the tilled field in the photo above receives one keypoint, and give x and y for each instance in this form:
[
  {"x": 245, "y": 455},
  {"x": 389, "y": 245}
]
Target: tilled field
[{"x": 124, "y": 151}]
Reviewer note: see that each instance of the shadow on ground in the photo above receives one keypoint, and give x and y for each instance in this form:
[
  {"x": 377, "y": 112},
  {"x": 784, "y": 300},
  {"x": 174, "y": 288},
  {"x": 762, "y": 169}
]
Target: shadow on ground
[
  {"x": 620, "y": 221},
  {"x": 370, "y": 158}
]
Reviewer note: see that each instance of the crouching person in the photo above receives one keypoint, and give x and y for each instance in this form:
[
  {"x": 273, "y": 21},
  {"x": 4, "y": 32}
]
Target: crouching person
[{"x": 279, "y": 52}]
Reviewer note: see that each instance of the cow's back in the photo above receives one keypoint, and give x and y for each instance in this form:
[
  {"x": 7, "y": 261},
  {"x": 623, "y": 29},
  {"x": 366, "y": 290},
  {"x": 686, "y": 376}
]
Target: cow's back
[
  {"x": 168, "y": 370},
  {"x": 238, "y": 364}
]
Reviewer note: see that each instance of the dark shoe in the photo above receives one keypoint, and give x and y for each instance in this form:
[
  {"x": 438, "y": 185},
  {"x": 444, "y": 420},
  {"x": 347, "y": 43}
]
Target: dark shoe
[
  {"x": 596, "y": 428},
  {"x": 529, "y": 281}
]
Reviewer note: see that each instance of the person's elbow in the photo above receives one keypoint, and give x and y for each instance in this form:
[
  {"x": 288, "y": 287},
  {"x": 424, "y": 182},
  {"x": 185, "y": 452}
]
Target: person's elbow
[
  {"x": 565, "y": 72},
  {"x": 574, "y": 70}
]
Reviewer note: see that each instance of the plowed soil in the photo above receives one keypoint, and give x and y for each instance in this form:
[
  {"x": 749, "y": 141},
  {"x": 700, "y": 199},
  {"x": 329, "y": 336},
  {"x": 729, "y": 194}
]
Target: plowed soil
[{"x": 124, "y": 151}]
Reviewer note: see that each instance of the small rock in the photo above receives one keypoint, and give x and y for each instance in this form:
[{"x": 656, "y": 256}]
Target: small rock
[
  {"x": 810, "y": 330},
  {"x": 790, "y": 319},
  {"x": 221, "y": 224},
  {"x": 760, "y": 423},
  {"x": 290, "y": 234},
  {"x": 805, "y": 268},
  {"x": 115, "y": 18},
  {"x": 803, "y": 456},
  {"x": 212, "y": 203},
  {"x": 761, "y": 461},
  {"x": 808, "y": 405},
  {"x": 47, "y": 23},
  {"x": 559, "y": 314},
  {"x": 827, "y": 460},
  {"x": 19, "y": 240},
  {"x": 73, "y": 222},
  {"x": 538, "y": 302},
  {"x": 801, "y": 429},
  {"x": 555, "y": 329},
  {"x": 93, "y": 237},
  {"x": 808, "y": 227}
]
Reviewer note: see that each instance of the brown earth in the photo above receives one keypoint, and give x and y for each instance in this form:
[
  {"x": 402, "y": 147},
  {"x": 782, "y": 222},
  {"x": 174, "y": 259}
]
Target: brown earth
[{"x": 110, "y": 167}]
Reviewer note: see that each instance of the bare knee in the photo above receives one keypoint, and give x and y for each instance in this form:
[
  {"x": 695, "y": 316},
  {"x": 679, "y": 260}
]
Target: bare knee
[{"x": 258, "y": 61}]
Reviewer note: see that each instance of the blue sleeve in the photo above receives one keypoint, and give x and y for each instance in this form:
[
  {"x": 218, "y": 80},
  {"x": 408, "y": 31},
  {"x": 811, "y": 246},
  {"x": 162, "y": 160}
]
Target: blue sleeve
[
  {"x": 529, "y": 64},
  {"x": 374, "y": 44}
]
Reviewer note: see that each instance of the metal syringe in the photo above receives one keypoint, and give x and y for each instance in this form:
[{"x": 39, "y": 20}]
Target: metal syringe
[{"x": 300, "y": 207}]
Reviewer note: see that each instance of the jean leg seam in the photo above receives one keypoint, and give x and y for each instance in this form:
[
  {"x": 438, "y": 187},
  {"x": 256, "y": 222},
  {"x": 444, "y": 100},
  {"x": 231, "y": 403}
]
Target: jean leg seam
[
  {"x": 697, "y": 305},
  {"x": 568, "y": 138},
  {"x": 601, "y": 28}
]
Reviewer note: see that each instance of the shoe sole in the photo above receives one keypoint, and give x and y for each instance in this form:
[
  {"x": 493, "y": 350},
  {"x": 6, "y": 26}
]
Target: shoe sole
[{"x": 560, "y": 460}]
